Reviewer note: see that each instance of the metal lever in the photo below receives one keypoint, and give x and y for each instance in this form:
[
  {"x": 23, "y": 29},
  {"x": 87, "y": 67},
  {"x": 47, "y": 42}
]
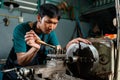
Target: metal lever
[{"x": 8, "y": 70}]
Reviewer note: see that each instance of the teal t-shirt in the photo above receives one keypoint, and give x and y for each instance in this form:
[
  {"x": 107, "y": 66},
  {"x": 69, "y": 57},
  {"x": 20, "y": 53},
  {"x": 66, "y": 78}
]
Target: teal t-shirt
[
  {"x": 19, "y": 40},
  {"x": 19, "y": 45}
]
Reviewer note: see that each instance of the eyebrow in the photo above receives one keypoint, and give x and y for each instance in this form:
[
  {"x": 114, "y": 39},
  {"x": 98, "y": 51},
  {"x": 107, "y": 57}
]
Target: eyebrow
[{"x": 51, "y": 21}]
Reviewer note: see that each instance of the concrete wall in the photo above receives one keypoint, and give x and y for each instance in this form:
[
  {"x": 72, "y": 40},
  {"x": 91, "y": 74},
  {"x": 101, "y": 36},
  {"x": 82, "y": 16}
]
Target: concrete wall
[{"x": 6, "y": 31}]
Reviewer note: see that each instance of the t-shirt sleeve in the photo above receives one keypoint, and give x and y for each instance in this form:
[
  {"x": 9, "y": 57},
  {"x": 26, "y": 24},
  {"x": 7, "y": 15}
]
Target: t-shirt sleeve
[
  {"x": 53, "y": 39},
  {"x": 18, "y": 39}
]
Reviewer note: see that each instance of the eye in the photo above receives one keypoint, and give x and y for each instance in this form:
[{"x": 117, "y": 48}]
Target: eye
[
  {"x": 55, "y": 23},
  {"x": 48, "y": 22}
]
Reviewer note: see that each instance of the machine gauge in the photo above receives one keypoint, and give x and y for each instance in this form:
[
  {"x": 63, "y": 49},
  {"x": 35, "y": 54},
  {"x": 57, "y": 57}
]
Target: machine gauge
[{"x": 103, "y": 59}]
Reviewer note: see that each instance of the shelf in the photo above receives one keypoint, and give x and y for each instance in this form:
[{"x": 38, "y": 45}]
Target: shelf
[{"x": 97, "y": 8}]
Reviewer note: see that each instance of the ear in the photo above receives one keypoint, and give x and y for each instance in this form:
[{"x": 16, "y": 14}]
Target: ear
[{"x": 38, "y": 18}]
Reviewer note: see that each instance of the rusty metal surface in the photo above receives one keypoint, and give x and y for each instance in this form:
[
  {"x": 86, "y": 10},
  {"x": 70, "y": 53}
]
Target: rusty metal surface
[
  {"x": 49, "y": 69},
  {"x": 54, "y": 70},
  {"x": 106, "y": 50}
]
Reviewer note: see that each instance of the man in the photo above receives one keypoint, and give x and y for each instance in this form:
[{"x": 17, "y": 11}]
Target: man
[{"x": 26, "y": 51}]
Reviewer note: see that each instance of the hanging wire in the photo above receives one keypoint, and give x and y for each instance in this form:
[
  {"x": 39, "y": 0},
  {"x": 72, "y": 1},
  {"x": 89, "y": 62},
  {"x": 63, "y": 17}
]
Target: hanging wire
[{"x": 117, "y": 5}]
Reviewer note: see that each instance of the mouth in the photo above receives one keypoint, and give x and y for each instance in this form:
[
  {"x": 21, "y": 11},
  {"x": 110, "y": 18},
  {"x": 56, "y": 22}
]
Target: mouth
[{"x": 48, "y": 31}]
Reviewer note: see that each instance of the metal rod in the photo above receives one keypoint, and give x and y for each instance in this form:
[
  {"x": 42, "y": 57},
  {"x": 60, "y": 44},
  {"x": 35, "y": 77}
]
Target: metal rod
[
  {"x": 44, "y": 43},
  {"x": 8, "y": 70},
  {"x": 9, "y": 16},
  {"x": 51, "y": 46}
]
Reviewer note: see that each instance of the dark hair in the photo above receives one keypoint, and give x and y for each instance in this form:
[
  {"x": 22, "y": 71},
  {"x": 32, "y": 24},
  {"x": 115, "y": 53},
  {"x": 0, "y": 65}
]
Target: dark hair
[{"x": 49, "y": 10}]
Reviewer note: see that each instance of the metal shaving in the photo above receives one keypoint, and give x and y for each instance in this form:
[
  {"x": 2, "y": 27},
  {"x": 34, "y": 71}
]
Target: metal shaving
[{"x": 63, "y": 76}]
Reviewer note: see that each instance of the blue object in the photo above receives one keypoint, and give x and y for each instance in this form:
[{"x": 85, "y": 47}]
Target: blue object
[{"x": 1, "y": 72}]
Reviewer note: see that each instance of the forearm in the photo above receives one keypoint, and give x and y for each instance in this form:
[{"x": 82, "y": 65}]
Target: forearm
[{"x": 25, "y": 58}]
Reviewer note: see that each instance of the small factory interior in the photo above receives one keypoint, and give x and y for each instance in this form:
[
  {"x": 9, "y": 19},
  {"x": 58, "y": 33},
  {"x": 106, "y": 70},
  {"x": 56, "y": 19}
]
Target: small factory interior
[{"x": 59, "y": 40}]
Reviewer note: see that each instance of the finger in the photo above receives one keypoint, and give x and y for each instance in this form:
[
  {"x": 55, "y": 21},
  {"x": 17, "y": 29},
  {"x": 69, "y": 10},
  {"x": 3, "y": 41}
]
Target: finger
[
  {"x": 75, "y": 41},
  {"x": 30, "y": 32},
  {"x": 26, "y": 36},
  {"x": 87, "y": 42},
  {"x": 29, "y": 38},
  {"x": 34, "y": 34},
  {"x": 29, "y": 42}
]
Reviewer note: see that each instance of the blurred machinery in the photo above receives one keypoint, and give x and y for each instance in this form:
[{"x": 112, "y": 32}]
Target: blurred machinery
[
  {"x": 81, "y": 62},
  {"x": 106, "y": 49},
  {"x": 85, "y": 61},
  {"x": 95, "y": 62}
]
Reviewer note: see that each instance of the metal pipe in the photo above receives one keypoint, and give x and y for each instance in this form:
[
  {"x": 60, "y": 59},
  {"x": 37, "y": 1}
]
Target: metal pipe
[
  {"x": 26, "y": 2},
  {"x": 17, "y": 17},
  {"x": 116, "y": 67}
]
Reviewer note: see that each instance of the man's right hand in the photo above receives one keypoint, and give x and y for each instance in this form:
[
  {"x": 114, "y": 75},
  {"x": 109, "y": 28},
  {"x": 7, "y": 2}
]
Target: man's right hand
[{"x": 31, "y": 38}]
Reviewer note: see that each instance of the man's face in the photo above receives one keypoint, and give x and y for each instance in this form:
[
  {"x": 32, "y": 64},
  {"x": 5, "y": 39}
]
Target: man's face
[{"x": 48, "y": 24}]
